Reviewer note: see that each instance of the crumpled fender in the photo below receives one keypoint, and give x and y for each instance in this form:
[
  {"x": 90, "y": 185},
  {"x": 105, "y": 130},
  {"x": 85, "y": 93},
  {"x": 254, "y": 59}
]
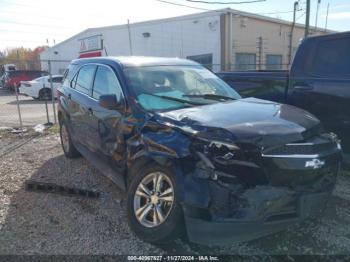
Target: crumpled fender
[{"x": 168, "y": 147}]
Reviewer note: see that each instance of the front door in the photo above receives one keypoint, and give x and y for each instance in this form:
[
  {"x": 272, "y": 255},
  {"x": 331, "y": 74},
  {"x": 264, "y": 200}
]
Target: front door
[{"x": 107, "y": 125}]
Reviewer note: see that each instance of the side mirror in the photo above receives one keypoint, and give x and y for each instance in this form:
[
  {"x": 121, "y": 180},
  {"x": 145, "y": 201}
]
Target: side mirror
[{"x": 110, "y": 102}]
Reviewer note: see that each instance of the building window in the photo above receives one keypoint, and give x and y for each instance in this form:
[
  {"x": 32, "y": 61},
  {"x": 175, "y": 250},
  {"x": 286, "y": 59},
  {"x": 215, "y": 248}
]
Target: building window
[
  {"x": 245, "y": 61},
  {"x": 273, "y": 62},
  {"x": 205, "y": 60}
]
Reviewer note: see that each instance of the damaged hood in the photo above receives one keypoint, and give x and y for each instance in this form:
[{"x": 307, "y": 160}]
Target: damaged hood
[{"x": 247, "y": 120}]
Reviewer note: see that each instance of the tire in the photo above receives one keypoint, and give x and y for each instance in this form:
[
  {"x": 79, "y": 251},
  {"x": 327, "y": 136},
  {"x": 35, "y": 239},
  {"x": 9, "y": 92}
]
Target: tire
[
  {"x": 166, "y": 230},
  {"x": 66, "y": 141},
  {"x": 45, "y": 94}
]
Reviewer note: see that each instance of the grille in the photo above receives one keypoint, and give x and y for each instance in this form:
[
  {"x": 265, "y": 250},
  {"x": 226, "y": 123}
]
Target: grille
[{"x": 312, "y": 147}]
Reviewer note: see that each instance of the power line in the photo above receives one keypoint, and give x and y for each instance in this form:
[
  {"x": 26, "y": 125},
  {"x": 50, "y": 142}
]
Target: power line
[
  {"x": 205, "y": 9},
  {"x": 30, "y": 32},
  {"x": 277, "y": 12},
  {"x": 300, "y": 16},
  {"x": 31, "y": 15},
  {"x": 273, "y": 13},
  {"x": 171, "y": 3},
  {"x": 225, "y": 3},
  {"x": 21, "y": 40},
  {"x": 29, "y": 24}
]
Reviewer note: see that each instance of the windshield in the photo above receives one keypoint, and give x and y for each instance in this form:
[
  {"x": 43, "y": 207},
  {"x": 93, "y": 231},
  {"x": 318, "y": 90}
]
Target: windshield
[{"x": 162, "y": 88}]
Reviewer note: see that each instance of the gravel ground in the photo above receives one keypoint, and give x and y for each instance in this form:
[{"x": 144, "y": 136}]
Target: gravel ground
[{"x": 42, "y": 223}]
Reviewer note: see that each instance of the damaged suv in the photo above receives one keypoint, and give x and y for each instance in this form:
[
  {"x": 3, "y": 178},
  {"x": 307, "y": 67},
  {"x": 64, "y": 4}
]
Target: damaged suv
[{"x": 192, "y": 155}]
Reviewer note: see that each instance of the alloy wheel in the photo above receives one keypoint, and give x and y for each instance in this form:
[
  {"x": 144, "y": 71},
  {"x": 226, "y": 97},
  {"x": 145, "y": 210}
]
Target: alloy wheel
[{"x": 153, "y": 199}]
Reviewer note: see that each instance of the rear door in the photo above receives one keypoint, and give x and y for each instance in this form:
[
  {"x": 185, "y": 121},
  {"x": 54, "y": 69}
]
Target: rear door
[
  {"x": 106, "y": 125},
  {"x": 79, "y": 98},
  {"x": 322, "y": 86}
]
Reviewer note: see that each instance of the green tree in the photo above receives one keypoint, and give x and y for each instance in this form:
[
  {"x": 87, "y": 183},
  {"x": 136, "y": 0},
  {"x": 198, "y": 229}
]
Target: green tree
[{"x": 24, "y": 58}]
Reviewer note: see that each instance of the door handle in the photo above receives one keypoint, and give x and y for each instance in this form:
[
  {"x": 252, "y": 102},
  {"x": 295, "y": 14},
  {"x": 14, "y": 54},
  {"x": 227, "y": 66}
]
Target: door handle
[
  {"x": 69, "y": 96},
  {"x": 303, "y": 87}
]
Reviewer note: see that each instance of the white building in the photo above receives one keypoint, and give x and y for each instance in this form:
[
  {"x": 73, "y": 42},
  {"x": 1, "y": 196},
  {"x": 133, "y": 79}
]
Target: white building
[{"x": 224, "y": 40}]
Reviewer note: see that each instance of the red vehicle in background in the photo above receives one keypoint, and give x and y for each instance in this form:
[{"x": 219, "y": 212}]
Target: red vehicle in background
[{"x": 13, "y": 79}]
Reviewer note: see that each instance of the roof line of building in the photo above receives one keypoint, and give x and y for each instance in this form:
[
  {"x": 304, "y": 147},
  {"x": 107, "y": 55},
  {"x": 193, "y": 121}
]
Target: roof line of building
[{"x": 193, "y": 16}]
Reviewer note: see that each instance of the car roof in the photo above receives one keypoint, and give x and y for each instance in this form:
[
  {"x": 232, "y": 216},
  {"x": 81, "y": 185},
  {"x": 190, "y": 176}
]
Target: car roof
[
  {"x": 49, "y": 76},
  {"x": 138, "y": 61},
  {"x": 333, "y": 35}
]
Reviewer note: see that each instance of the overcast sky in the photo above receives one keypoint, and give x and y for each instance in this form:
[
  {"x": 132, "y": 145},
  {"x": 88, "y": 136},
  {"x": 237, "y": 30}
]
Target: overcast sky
[{"x": 30, "y": 23}]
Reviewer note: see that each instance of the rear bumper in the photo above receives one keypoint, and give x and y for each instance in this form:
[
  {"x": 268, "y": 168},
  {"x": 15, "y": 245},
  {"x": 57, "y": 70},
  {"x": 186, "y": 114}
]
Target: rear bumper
[
  {"x": 226, "y": 231},
  {"x": 22, "y": 91}
]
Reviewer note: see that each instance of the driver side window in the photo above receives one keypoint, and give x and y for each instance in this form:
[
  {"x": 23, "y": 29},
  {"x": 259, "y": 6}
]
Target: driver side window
[{"x": 106, "y": 83}]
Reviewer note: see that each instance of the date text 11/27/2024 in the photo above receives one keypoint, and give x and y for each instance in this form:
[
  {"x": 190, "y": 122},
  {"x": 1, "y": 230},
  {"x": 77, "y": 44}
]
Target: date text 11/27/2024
[{"x": 173, "y": 258}]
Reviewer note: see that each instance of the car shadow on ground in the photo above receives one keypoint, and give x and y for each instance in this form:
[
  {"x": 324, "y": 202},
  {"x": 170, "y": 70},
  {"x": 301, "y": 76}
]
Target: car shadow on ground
[{"x": 47, "y": 223}]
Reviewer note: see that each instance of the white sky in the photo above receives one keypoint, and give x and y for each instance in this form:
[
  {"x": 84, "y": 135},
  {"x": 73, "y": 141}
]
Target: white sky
[{"x": 30, "y": 23}]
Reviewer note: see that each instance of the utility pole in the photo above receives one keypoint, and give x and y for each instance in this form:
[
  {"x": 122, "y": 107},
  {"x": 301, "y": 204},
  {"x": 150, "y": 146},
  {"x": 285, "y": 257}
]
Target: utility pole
[
  {"x": 325, "y": 28},
  {"x": 307, "y": 21},
  {"x": 130, "y": 42},
  {"x": 53, "y": 95},
  {"x": 260, "y": 50},
  {"x": 296, "y": 5},
  {"x": 318, "y": 6}
]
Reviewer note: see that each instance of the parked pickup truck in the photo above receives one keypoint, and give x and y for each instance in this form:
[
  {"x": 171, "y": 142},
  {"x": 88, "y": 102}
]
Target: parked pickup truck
[{"x": 318, "y": 81}]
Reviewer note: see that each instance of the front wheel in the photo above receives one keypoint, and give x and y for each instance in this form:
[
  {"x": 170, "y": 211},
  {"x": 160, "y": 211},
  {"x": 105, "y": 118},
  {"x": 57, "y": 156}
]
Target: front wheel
[{"x": 153, "y": 211}]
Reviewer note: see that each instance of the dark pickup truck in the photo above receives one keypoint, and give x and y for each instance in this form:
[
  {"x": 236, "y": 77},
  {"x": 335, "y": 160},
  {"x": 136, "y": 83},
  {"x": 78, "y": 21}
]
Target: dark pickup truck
[{"x": 318, "y": 81}]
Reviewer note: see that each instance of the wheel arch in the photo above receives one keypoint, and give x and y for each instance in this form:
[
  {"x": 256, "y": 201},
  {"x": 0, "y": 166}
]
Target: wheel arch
[
  {"x": 43, "y": 89},
  {"x": 143, "y": 160}
]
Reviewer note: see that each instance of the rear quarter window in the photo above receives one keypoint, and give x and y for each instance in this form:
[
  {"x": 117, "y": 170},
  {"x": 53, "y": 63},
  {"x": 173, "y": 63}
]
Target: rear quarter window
[
  {"x": 84, "y": 79},
  {"x": 331, "y": 58},
  {"x": 68, "y": 75}
]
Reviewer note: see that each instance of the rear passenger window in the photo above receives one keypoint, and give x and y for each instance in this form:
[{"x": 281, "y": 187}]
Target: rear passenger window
[
  {"x": 84, "y": 79},
  {"x": 332, "y": 58},
  {"x": 106, "y": 83}
]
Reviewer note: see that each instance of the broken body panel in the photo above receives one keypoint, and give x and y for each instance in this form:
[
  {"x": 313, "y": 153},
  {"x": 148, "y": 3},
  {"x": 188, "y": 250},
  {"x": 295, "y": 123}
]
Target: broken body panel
[{"x": 243, "y": 168}]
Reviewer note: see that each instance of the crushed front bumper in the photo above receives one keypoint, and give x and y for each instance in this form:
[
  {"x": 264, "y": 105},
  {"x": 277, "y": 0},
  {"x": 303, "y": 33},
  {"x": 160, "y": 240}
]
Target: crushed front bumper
[
  {"x": 226, "y": 231},
  {"x": 225, "y": 204}
]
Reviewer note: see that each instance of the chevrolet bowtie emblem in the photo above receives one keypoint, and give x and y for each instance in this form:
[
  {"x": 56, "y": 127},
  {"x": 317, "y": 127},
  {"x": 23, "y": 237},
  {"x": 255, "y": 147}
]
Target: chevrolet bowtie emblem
[{"x": 315, "y": 163}]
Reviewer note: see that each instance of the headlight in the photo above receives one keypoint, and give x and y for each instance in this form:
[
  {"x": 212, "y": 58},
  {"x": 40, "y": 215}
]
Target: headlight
[
  {"x": 217, "y": 150},
  {"x": 220, "y": 145}
]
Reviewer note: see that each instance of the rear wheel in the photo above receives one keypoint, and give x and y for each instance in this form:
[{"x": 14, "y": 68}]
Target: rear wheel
[
  {"x": 45, "y": 94},
  {"x": 68, "y": 148},
  {"x": 153, "y": 211}
]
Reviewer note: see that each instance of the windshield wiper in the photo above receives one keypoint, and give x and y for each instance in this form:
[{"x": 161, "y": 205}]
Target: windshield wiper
[
  {"x": 179, "y": 100},
  {"x": 211, "y": 97}
]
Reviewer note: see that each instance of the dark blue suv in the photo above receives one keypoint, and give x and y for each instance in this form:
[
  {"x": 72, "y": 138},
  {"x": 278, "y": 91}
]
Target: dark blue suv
[{"x": 192, "y": 155}]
